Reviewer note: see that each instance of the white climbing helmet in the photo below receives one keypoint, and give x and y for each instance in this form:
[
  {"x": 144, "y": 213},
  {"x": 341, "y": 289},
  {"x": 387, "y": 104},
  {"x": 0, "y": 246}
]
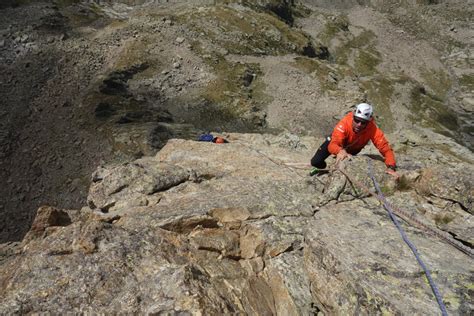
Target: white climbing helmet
[{"x": 364, "y": 111}]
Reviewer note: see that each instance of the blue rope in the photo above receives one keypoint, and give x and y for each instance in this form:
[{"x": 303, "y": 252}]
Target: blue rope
[{"x": 409, "y": 243}]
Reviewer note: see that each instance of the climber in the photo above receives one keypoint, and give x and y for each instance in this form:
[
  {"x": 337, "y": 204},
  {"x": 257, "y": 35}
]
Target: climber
[{"x": 348, "y": 138}]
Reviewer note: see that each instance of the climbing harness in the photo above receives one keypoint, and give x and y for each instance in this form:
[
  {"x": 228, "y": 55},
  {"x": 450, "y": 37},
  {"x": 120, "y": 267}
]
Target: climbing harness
[{"x": 408, "y": 242}]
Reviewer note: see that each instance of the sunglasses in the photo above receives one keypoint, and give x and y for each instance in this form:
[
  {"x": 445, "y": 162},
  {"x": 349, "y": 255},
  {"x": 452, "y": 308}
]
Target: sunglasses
[{"x": 359, "y": 121}]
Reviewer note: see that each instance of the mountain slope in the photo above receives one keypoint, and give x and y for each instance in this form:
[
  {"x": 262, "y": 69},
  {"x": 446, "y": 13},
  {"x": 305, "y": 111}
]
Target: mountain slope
[{"x": 120, "y": 89}]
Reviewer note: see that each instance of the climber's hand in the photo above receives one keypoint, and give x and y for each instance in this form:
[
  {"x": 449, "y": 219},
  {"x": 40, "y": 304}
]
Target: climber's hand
[
  {"x": 393, "y": 173},
  {"x": 342, "y": 155}
]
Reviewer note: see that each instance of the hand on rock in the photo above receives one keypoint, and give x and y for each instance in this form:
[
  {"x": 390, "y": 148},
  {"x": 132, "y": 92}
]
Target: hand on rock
[
  {"x": 342, "y": 155},
  {"x": 393, "y": 173}
]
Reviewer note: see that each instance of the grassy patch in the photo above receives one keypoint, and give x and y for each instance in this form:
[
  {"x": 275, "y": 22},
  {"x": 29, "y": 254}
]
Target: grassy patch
[
  {"x": 428, "y": 108},
  {"x": 403, "y": 184},
  {"x": 333, "y": 27},
  {"x": 137, "y": 51},
  {"x": 379, "y": 92},
  {"x": 301, "y": 11},
  {"x": 451, "y": 152},
  {"x": 258, "y": 95},
  {"x": 443, "y": 219},
  {"x": 237, "y": 88},
  {"x": 387, "y": 190},
  {"x": 245, "y": 32},
  {"x": 432, "y": 112},
  {"x": 319, "y": 69},
  {"x": 307, "y": 65},
  {"x": 366, "y": 62},
  {"x": 84, "y": 14},
  {"x": 89, "y": 17},
  {"x": 362, "y": 47},
  {"x": 467, "y": 82},
  {"x": 438, "y": 82},
  {"x": 362, "y": 42}
]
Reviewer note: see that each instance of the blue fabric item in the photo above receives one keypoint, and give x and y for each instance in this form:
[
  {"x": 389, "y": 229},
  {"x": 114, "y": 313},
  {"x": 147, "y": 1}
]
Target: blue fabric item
[
  {"x": 206, "y": 137},
  {"x": 436, "y": 293}
]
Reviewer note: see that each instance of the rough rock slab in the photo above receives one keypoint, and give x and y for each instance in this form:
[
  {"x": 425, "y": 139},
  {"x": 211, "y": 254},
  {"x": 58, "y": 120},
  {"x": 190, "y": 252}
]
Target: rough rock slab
[
  {"x": 203, "y": 228},
  {"x": 358, "y": 263},
  {"x": 197, "y": 245}
]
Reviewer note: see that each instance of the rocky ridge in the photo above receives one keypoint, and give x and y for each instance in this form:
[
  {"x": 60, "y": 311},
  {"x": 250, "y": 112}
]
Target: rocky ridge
[{"x": 208, "y": 228}]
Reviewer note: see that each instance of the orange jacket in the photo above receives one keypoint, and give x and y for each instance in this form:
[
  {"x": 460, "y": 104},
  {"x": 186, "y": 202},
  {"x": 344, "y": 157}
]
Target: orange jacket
[{"x": 344, "y": 137}]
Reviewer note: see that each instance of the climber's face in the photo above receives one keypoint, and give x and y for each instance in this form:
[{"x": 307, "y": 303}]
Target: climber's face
[{"x": 358, "y": 124}]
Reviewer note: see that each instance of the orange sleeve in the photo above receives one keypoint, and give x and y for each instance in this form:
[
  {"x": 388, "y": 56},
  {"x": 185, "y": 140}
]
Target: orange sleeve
[
  {"x": 384, "y": 148},
  {"x": 339, "y": 133}
]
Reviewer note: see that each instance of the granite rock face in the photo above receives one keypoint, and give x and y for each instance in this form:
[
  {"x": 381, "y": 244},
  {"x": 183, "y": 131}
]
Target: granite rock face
[{"x": 204, "y": 228}]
